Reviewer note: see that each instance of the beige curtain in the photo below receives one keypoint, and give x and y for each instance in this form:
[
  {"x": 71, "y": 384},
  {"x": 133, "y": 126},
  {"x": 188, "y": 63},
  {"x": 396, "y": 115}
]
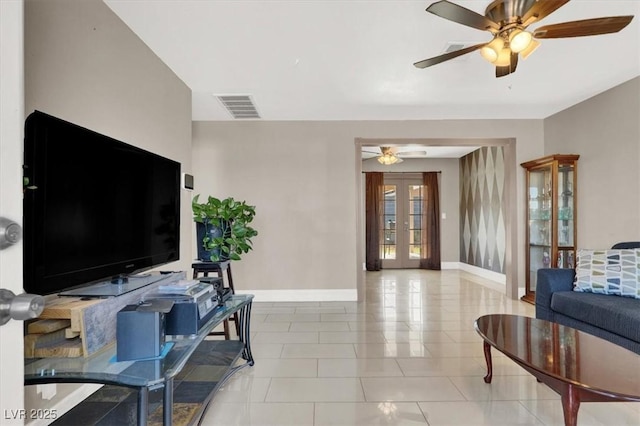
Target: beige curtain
[
  {"x": 431, "y": 223},
  {"x": 373, "y": 206}
]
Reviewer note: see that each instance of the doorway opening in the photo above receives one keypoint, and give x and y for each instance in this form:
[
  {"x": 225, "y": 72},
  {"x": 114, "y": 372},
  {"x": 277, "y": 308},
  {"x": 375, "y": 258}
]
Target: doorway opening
[{"x": 451, "y": 235}]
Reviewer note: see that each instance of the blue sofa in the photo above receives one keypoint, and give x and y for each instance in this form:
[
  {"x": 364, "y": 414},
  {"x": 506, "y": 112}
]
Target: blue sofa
[{"x": 614, "y": 318}]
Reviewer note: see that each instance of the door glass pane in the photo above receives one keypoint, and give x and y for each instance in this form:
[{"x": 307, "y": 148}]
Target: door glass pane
[
  {"x": 414, "y": 225},
  {"x": 389, "y": 213}
]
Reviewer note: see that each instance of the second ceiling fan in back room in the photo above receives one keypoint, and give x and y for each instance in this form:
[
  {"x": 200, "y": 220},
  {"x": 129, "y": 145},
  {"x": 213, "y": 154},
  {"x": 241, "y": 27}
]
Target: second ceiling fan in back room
[
  {"x": 389, "y": 155},
  {"x": 507, "y": 21}
]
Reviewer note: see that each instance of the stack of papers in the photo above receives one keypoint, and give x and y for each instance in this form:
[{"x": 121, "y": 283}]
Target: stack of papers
[{"x": 178, "y": 287}]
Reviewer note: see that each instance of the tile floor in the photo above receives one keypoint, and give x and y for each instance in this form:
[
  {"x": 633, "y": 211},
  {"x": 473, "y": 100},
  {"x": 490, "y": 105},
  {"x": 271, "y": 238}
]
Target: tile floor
[{"x": 409, "y": 355}]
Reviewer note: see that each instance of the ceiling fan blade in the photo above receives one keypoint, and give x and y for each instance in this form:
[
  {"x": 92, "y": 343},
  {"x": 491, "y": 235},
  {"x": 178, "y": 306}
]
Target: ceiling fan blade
[
  {"x": 502, "y": 71},
  {"x": 586, "y": 27},
  {"x": 406, "y": 154},
  {"x": 514, "y": 61},
  {"x": 461, "y": 15},
  {"x": 508, "y": 69},
  {"x": 542, "y": 9},
  {"x": 437, "y": 59}
]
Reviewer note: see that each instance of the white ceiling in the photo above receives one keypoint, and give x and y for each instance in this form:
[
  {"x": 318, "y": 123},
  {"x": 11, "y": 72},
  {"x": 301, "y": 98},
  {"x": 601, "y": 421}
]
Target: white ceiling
[{"x": 352, "y": 60}]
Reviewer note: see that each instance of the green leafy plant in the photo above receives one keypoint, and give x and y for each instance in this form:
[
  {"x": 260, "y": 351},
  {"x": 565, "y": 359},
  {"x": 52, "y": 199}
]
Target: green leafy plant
[{"x": 231, "y": 236}]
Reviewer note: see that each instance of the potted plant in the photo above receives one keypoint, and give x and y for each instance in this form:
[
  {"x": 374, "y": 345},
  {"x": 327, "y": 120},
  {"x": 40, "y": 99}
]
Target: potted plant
[{"x": 222, "y": 228}]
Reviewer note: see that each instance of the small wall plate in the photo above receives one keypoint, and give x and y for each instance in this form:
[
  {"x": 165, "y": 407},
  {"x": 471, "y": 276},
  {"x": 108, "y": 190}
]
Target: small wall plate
[{"x": 187, "y": 181}]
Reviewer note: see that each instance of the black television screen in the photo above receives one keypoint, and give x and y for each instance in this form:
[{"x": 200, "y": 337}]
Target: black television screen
[{"x": 95, "y": 208}]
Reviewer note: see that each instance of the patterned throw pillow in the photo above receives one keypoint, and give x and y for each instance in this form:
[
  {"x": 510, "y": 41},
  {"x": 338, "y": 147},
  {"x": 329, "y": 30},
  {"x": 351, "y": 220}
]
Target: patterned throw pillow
[{"x": 608, "y": 272}]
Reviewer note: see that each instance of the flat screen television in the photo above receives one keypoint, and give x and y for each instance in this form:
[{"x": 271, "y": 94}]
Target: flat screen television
[{"x": 96, "y": 210}]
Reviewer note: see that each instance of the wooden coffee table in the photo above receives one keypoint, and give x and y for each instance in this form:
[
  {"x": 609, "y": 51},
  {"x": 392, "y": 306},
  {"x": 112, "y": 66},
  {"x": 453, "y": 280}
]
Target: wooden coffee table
[{"x": 579, "y": 366}]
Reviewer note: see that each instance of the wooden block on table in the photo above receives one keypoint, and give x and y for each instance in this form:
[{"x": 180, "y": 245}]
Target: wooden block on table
[
  {"x": 71, "y": 334},
  {"x": 64, "y": 307},
  {"x": 68, "y": 348},
  {"x": 47, "y": 326},
  {"x": 32, "y": 341},
  {"x": 94, "y": 320}
]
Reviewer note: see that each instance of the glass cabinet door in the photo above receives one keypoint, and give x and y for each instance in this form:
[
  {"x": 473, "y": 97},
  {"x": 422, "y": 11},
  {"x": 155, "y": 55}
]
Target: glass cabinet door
[
  {"x": 566, "y": 231},
  {"x": 540, "y": 222}
]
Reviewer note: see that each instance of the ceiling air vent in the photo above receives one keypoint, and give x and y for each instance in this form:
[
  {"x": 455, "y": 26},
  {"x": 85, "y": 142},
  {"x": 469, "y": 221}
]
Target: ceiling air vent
[
  {"x": 239, "y": 106},
  {"x": 452, "y": 46}
]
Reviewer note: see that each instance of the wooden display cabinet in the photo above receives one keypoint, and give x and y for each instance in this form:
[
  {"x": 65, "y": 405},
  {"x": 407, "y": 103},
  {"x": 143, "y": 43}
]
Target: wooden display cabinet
[{"x": 551, "y": 216}]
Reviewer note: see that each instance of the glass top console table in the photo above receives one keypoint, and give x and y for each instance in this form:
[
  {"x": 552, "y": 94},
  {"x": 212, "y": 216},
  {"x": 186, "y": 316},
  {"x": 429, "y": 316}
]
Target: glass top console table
[{"x": 146, "y": 375}]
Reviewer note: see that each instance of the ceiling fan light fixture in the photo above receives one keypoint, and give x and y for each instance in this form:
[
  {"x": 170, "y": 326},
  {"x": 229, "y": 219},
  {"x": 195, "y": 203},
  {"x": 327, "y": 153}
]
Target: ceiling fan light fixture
[
  {"x": 491, "y": 51},
  {"x": 507, "y": 21},
  {"x": 519, "y": 40},
  {"x": 530, "y": 49},
  {"x": 504, "y": 58},
  {"x": 388, "y": 159}
]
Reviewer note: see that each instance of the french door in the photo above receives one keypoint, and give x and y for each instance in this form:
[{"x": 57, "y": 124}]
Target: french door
[{"x": 401, "y": 221}]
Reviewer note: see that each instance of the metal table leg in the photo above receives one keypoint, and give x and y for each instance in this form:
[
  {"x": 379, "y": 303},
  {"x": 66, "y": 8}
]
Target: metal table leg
[
  {"x": 143, "y": 405},
  {"x": 244, "y": 332},
  {"x": 167, "y": 408}
]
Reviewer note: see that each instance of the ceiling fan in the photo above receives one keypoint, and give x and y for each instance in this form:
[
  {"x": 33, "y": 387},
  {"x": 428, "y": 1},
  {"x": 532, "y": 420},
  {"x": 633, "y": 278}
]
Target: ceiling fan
[
  {"x": 507, "y": 21},
  {"x": 391, "y": 155}
]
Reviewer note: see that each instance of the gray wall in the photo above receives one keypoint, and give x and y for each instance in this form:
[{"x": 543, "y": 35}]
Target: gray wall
[
  {"x": 482, "y": 209},
  {"x": 299, "y": 176},
  {"x": 605, "y": 131},
  {"x": 304, "y": 178},
  {"x": 84, "y": 65}
]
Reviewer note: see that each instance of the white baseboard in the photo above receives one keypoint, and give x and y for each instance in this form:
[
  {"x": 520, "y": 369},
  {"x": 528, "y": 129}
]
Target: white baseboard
[
  {"x": 484, "y": 273},
  {"x": 311, "y": 295},
  {"x": 449, "y": 265}
]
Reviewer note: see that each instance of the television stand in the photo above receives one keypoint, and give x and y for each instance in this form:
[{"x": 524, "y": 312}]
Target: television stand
[
  {"x": 175, "y": 390},
  {"x": 109, "y": 288}
]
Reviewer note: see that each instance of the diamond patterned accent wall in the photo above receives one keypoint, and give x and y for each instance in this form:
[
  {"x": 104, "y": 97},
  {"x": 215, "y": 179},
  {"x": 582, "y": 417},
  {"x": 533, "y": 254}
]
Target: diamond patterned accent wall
[{"x": 482, "y": 209}]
